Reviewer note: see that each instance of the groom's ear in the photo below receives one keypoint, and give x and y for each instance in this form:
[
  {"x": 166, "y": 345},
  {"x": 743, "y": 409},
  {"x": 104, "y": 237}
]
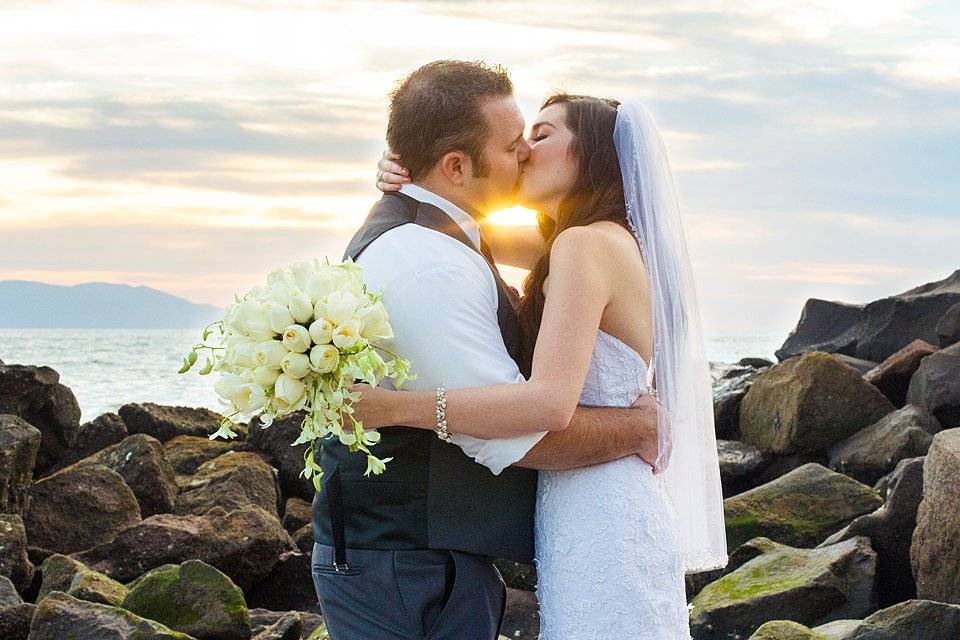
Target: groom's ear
[{"x": 455, "y": 167}]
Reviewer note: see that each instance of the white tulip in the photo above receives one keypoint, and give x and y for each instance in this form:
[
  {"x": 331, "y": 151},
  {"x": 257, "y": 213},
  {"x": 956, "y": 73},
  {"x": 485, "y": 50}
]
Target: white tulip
[
  {"x": 265, "y": 376},
  {"x": 296, "y": 338},
  {"x": 228, "y": 383},
  {"x": 280, "y": 293},
  {"x": 241, "y": 354},
  {"x": 300, "y": 274},
  {"x": 301, "y": 308},
  {"x": 249, "y": 397},
  {"x": 296, "y": 365},
  {"x": 324, "y": 358},
  {"x": 238, "y": 315},
  {"x": 347, "y": 334},
  {"x": 288, "y": 392},
  {"x": 269, "y": 354},
  {"x": 341, "y": 307},
  {"x": 278, "y": 317},
  {"x": 375, "y": 324},
  {"x": 321, "y": 330},
  {"x": 258, "y": 328}
]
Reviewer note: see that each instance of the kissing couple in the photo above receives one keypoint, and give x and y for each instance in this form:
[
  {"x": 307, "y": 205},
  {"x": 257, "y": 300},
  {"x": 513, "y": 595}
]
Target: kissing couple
[{"x": 572, "y": 427}]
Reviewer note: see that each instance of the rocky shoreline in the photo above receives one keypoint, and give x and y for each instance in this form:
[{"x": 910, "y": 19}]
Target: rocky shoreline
[{"x": 840, "y": 466}]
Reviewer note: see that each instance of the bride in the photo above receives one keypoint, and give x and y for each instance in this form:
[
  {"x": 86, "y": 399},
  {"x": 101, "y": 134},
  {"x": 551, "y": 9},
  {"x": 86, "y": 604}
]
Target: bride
[{"x": 609, "y": 313}]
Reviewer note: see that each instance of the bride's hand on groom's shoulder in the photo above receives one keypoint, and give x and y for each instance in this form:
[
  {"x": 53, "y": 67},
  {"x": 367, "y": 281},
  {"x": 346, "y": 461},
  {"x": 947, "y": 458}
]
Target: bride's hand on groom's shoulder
[
  {"x": 391, "y": 175},
  {"x": 375, "y": 407}
]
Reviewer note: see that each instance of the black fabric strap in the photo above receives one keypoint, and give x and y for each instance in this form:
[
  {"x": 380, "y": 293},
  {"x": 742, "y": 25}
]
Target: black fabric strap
[{"x": 335, "y": 506}]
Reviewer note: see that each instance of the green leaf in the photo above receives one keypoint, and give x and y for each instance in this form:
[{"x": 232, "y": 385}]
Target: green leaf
[
  {"x": 186, "y": 366},
  {"x": 193, "y": 356},
  {"x": 207, "y": 368}
]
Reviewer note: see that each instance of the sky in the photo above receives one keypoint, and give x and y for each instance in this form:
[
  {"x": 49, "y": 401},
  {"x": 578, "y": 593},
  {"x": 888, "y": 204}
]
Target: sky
[{"x": 194, "y": 146}]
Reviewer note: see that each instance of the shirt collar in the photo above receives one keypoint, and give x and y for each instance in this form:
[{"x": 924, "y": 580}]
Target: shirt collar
[{"x": 463, "y": 219}]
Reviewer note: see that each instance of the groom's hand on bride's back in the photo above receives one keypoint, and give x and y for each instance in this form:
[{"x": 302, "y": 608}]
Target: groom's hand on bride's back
[{"x": 648, "y": 446}]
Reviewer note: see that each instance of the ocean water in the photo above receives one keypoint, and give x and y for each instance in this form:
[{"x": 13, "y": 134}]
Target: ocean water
[{"x": 107, "y": 368}]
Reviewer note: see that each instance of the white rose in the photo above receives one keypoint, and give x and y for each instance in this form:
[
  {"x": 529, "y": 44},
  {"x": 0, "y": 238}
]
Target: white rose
[
  {"x": 375, "y": 324},
  {"x": 301, "y": 308},
  {"x": 249, "y": 397},
  {"x": 269, "y": 354},
  {"x": 321, "y": 330},
  {"x": 324, "y": 358},
  {"x": 265, "y": 376},
  {"x": 296, "y": 365},
  {"x": 341, "y": 306},
  {"x": 296, "y": 338},
  {"x": 347, "y": 334},
  {"x": 288, "y": 392},
  {"x": 278, "y": 317}
]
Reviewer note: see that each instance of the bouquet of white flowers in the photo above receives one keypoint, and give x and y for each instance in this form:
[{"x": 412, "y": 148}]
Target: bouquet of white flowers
[{"x": 300, "y": 342}]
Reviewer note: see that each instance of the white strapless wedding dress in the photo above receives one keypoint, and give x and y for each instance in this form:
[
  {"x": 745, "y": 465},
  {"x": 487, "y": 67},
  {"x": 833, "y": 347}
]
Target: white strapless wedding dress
[{"x": 608, "y": 560}]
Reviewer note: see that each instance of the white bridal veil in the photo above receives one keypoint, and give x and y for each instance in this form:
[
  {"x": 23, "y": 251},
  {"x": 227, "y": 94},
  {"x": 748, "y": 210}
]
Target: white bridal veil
[{"x": 688, "y": 446}]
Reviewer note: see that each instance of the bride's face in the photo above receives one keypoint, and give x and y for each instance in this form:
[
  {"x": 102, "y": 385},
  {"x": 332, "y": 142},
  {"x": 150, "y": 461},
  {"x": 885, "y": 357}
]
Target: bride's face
[{"x": 550, "y": 170}]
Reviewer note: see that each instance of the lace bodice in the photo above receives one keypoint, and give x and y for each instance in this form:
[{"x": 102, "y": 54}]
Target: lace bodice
[{"x": 617, "y": 374}]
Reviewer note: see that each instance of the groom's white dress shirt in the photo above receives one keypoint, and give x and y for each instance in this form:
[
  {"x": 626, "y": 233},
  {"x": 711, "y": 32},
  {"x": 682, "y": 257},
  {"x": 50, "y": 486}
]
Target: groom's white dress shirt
[{"x": 442, "y": 301}]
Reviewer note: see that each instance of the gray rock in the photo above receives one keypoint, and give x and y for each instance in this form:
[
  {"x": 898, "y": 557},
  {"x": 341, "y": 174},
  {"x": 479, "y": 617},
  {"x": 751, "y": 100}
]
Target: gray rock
[
  {"x": 36, "y": 395},
  {"x": 19, "y": 445},
  {"x": 890, "y": 529},
  {"x": 859, "y": 364},
  {"x": 876, "y": 330},
  {"x": 873, "y": 452},
  {"x": 193, "y": 598},
  {"x": 244, "y": 544},
  {"x": 287, "y": 587},
  {"x": 297, "y": 513},
  {"x": 141, "y": 462},
  {"x": 62, "y": 573},
  {"x": 99, "y": 433},
  {"x": 288, "y": 627},
  {"x": 187, "y": 453},
  {"x": 810, "y": 587},
  {"x": 695, "y": 582},
  {"x": 14, "y": 561},
  {"x": 808, "y": 404},
  {"x": 521, "y": 616},
  {"x": 263, "y": 619},
  {"x": 785, "y": 630},
  {"x": 740, "y": 466},
  {"x": 801, "y": 508},
  {"x": 948, "y": 329},
  {"x": 934, "y": 551},
  {"x": 838, "y": 629},
  {"x": 911, "y": 620},
  {"x": 275, "y": 441},
  {"x": 756, "y": 363},
  {"x": 9, "y": 597},
  {"x": 893, "y": 375},
  {"x": 15, "y": 621},
  {"x": 233, "y": 480},
  {"x": 936, "y": 385},
  {"x": 163, "y": 422},
  {"x": 728, "y": 393},
  {"x": 78, "y": 508},
  {"x": 59, "y": 617}
]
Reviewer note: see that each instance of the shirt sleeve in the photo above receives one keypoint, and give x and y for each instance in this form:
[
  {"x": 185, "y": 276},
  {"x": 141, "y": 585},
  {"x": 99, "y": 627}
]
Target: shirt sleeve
[{"x": 445, "y": 322}]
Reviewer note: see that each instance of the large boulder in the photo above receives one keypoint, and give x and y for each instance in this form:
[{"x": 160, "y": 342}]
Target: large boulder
[
  {"x": 19, "y": 444},
  {"x": 244, "y": 544},
  {"x": 873, "y": 452},
  {"x": 99, "y": 433},
  {"x": 741, "y": 466},
  {"x": 15, "y": 621},
  {"x": 164, "y": 422},
  {"x": 9, "y": 597},
  {"x": 62, "y": 617},
  {"x": 194, "y": 598},
  {"x": 63, "y": 573},
  {"x": 876, "y": 330},
  {"x": 140, "y": 461},
  {"x": 800, "y": 508},
  {"x": 808, "y": 404},
  {"x": 890, "y": 529},
  {"x": 36, "y": 395},
  {"x": 728, "y": 393},
  {"x": 910, "y": 620},
  {"x": 935, "y": 550},
  {"x": 187, "y": 453},
  {"x": 297, "y": 513},
  {"x": 78, "y": 508},
  {"x": 285, "y": 588},
  {"x": 234, "y": 480},
  {"x": 275, "y": 440},
  {"x": 786, "y": 630},
  {"x": 936, "y": 385},
  {"x": 892, "y": 376},
  {"x": 948, "y": 329},
  {"x": 14, "y": 560},
  {"x": 811, "y": 587}
]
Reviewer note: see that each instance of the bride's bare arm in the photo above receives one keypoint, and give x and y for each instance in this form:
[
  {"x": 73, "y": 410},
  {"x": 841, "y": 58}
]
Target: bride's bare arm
[{"x": 579, "y": 293}]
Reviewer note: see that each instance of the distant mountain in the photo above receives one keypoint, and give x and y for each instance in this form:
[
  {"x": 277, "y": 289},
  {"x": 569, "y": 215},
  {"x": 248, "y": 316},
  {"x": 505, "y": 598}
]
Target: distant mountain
[{"x": 25, "y": 304}]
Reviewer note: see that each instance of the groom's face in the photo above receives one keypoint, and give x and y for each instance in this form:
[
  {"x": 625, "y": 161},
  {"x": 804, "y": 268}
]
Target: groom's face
[{"x": 505, "y": 152}]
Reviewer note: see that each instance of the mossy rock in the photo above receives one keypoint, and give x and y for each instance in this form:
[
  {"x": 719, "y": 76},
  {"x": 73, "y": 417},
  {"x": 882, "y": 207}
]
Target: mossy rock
[
  {"x": 319, "y": 633},
  {"x": 809, "y": 586},
  {"x": 63, "y": 617},
  {"x": 194, "y": 598},
  {"x": 786, "y": 630},
  {"x": 62, "y": 573},
  {"x": 807, "y": 404},
  {"x": 801, "y": 508}
]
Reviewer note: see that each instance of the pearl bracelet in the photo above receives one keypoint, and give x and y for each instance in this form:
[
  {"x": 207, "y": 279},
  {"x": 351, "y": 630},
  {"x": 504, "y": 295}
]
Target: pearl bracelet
[{"x": 442, "y": 432}]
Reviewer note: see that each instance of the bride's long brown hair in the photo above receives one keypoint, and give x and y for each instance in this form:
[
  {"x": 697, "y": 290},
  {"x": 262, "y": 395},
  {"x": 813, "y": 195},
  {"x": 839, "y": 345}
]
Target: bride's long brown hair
[{"x": 597, "y": 194}]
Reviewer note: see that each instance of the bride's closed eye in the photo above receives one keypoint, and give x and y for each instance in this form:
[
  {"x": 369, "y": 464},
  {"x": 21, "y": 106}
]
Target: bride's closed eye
[{"x": 539, "y": 138}]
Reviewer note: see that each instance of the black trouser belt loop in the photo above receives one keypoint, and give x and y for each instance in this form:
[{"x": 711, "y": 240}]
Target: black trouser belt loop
[{"x": 335, "y": 507}]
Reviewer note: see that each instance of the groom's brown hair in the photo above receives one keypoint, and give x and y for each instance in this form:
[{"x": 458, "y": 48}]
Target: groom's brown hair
[{"x": 438, "y": 109}]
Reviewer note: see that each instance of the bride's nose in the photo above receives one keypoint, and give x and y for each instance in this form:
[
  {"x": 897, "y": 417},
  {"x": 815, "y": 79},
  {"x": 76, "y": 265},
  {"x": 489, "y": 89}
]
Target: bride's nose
[{"x": 524, "y": 151}]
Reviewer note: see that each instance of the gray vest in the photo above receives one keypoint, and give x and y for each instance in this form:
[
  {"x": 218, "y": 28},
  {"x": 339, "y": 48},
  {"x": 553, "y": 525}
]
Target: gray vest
[{"x": 432, "y": 495}]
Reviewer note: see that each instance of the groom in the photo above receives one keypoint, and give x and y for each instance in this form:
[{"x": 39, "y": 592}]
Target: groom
[{"x": 409, "y": 554}]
